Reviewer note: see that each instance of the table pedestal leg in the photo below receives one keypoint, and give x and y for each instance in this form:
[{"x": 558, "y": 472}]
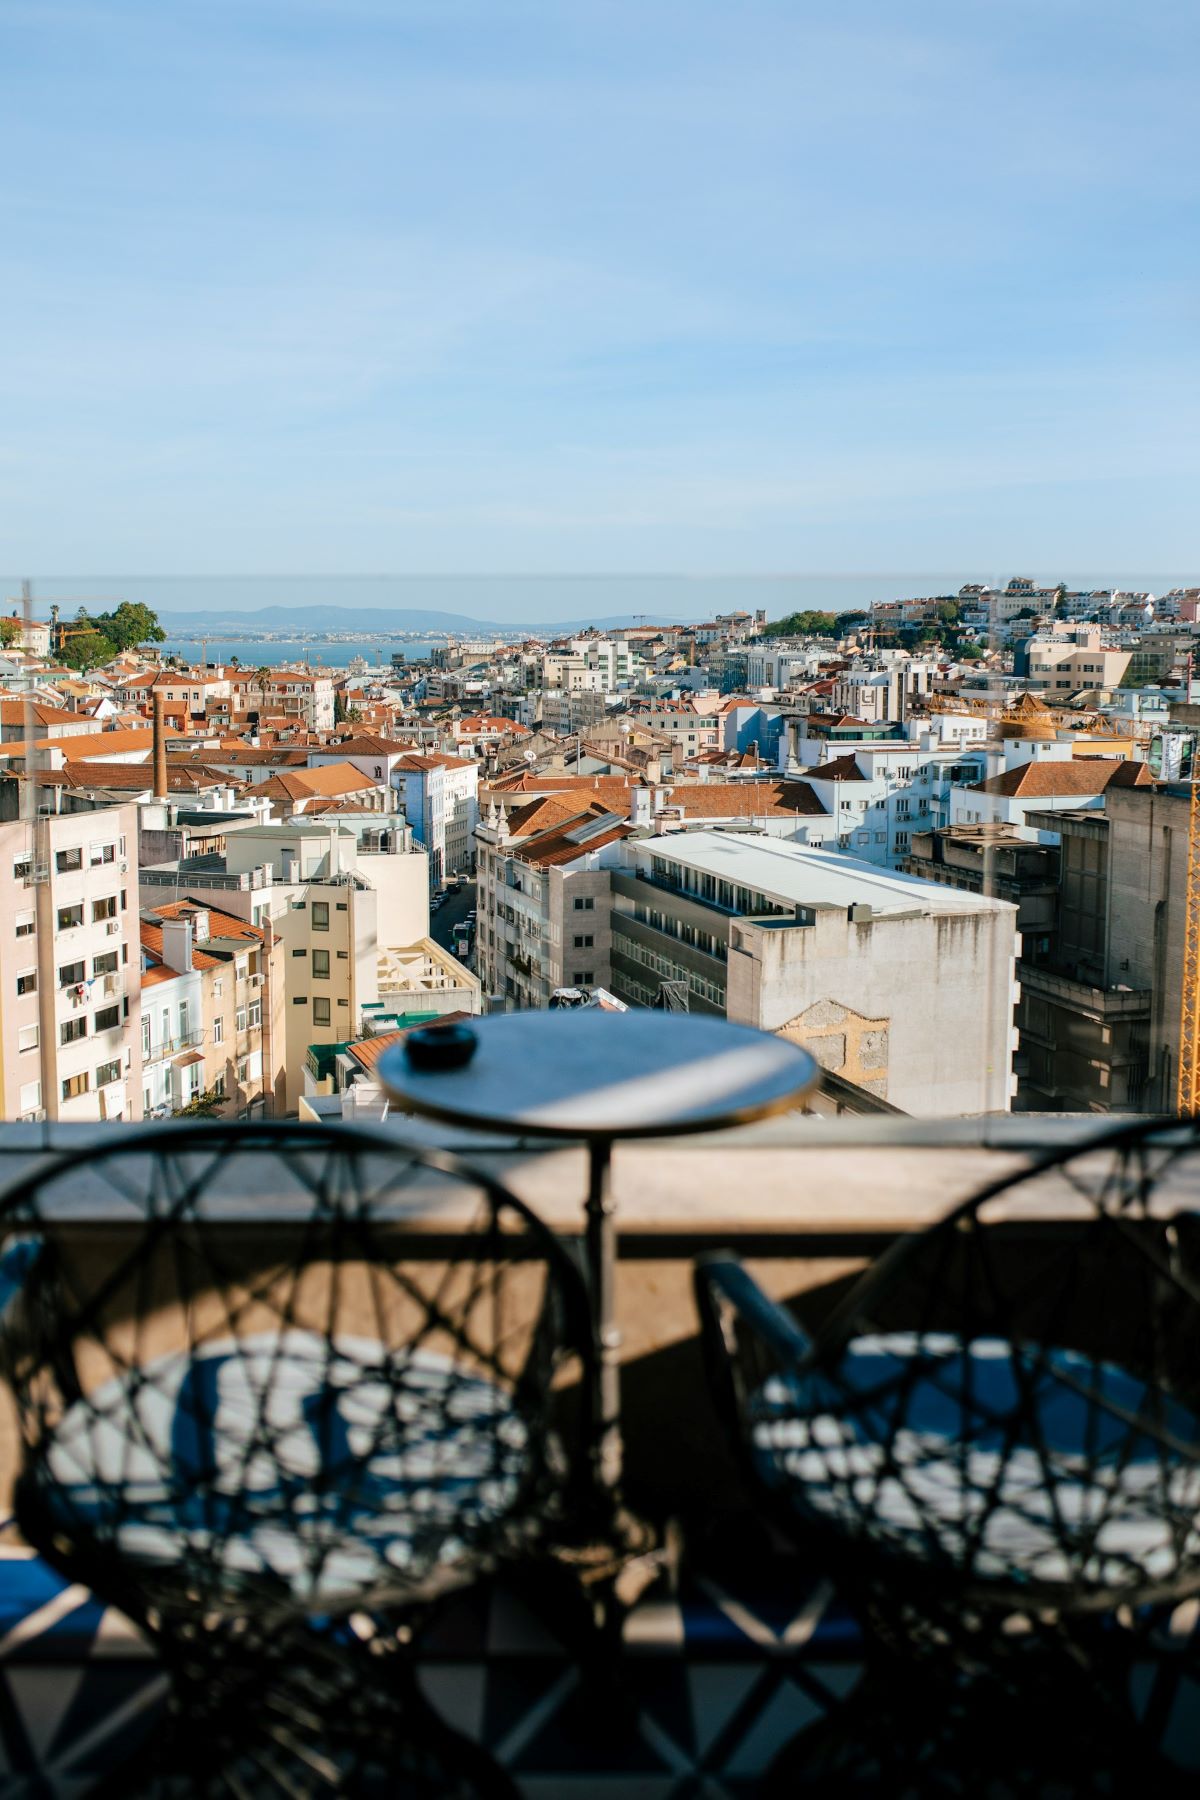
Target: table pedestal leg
[{"x": 602, "y": 1272}]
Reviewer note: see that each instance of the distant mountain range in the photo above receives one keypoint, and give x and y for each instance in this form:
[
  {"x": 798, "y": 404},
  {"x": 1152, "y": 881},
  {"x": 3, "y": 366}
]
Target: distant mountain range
[{"x": 304, "y": 619}]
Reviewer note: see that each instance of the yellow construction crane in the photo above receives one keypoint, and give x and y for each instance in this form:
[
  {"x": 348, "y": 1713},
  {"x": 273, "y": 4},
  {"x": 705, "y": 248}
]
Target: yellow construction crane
[{"x": 1188, "y": 1089}]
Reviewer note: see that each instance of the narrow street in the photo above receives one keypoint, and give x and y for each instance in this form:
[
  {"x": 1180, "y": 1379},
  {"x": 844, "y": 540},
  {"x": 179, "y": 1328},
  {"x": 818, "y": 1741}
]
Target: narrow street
[{"x": 455, "y": 909}]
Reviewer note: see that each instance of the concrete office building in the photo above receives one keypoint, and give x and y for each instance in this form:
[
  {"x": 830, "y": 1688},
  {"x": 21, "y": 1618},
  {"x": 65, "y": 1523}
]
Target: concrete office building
[
  {"x": 1100, "y": 1025},
  {"x": 902, "y": 987}
]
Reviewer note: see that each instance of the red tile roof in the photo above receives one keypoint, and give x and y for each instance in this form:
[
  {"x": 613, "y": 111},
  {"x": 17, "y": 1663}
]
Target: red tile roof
[
  {"x": 368, "y": 1051},
  {"x": 842, "y": 768},
  {"x": 562, "y": 843},
  {"x": 220, "y": 924},
  {"x": 541, "y": 814},
  {"x": 1081, "y": 776},
  {"x": 745, "y": 799},
  {"x": 152, "y": 944},
  {"x": 136, "y": 778}
]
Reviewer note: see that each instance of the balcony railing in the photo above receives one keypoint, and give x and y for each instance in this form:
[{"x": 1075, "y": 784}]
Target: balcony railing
[
  {"x": 162, "y": 1047},
  {"x": 807, "y": 1201}
]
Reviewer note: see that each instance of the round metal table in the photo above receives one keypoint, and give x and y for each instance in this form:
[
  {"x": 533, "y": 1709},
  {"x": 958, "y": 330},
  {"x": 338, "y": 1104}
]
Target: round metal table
[{"x": 600, "y": 1077}]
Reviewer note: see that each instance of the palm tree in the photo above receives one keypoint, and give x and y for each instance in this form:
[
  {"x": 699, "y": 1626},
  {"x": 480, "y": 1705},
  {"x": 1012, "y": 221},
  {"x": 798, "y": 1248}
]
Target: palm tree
[{"x": 261, "y": 678}]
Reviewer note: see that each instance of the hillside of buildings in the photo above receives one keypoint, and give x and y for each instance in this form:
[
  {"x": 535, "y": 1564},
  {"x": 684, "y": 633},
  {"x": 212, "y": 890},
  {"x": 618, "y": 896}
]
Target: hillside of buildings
[{"x": 939, "y": 841}]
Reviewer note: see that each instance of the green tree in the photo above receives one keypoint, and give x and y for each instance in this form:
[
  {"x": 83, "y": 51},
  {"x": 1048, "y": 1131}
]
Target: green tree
[
  {"x": 205, "y": 1105},
  {"x": 340, "y": 712},
  {"x": 125, "y": 627},
  {"x": 85, "y": 649},
  {"x": 10, "y": 631},
  {"x": 130, "y": 624},
  {"x": 804, "y": 624}
]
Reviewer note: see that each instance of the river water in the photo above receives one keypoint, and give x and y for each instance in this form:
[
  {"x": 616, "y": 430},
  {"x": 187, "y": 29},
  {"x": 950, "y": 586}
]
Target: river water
[{"x": 318, "y": 653}]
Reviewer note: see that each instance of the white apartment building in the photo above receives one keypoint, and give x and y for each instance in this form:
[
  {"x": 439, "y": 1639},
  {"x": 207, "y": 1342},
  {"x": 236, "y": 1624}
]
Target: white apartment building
[
  {"x": 295, "y": 694},
  {"x": 881, "y": 792},
  {"x": 882, "y": 688},
  {"x": 569, "y": 670},
  {"x": 34, "y": 636},
  {"x": 903, "y": 987},
  {"x": 995, "y": 607},
  {"x": 172, "y": 1038},
  {"x": 774, "y": 665},
  {"x": 613, "y": 660},
  {"x": 439, "y": 795},
  {"x": 70, "y": 967},
  {"x": 688, "y": 728},
  {"x": 1043, "y": 786}
]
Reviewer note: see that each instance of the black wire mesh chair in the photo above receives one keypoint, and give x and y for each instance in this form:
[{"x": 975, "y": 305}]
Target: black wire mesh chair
[
  {"x": 269, "y": 1414},
  {"x": 996, "y": 1435}
]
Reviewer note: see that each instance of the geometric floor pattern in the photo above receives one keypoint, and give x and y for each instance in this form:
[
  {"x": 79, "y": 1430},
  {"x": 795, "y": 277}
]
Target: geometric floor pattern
[
  {"x": 707, "y": 1686},
  {"x": 707, "y": 1689},
  {"x": 79, "y": 1689}
]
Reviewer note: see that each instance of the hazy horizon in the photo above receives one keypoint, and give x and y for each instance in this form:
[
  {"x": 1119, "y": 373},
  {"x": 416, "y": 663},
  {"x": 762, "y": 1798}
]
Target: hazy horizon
[{"x": 529, "y": 599}]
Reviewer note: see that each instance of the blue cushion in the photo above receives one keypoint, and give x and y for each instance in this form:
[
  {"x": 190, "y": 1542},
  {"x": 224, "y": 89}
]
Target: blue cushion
[
  {"x": 334, "y": 1470},
  {"x": 911, "y": 1441},
  {"x": 16, "y": 1265}
]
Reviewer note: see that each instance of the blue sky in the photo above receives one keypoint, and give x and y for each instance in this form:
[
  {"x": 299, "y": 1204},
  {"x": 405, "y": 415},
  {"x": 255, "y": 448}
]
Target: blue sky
[{"x": 595, "y": 285}]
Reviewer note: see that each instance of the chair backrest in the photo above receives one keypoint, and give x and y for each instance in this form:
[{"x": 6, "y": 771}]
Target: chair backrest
[
  {"x": 1008, "y": 1401},
  {"x": 282, "y": 1367}
]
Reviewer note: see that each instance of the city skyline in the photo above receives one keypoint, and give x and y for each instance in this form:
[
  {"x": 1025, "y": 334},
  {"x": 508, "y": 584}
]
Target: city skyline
[{"x": 530, "y": 599}]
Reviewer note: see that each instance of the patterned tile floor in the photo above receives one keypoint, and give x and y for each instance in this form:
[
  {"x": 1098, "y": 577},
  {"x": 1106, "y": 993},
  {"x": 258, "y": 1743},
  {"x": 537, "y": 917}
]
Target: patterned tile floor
[{"x": 707, "y": 1685}]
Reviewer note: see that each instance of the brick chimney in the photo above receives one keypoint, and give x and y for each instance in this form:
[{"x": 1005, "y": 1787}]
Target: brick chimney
[{"x": 160, "y": 748}]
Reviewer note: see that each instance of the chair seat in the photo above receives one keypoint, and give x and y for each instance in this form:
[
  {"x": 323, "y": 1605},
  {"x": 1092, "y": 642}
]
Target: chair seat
[
  {"x": 331, "y": 1469},
  {"x": 1012, "y": 1464}
]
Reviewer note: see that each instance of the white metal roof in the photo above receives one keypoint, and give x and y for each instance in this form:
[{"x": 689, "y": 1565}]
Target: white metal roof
[{"x": 801, "y": 875}]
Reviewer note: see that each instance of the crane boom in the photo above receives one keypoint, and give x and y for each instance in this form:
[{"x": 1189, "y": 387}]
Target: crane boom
[{"x": 1188, "y": 1089}]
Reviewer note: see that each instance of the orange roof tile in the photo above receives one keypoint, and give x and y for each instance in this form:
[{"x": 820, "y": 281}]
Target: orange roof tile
[
  {"x": 220, "y": 924},
  {"x": 1082, "y": 776},
  {"x": 745, "y": 799},
  {"x": 369, "y": 1050},
  {"x": 842, "y": 768},
  {"x": 152, "y": 944},
  {"x": 103, "y": 743},
  {"x": 561, "y": 844}
]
